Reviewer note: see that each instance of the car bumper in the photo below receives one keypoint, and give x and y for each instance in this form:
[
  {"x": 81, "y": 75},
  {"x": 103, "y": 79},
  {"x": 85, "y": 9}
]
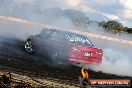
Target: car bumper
[{"x": 87, "y": 61}]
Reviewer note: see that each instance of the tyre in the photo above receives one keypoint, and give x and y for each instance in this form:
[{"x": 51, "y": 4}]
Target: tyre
[{"x": 29, "y": 46}]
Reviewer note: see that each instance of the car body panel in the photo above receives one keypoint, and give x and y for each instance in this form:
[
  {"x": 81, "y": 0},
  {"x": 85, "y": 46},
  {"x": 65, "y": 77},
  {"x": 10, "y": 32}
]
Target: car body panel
[
  {"x": 70, "y": 46},
  {"x": 87, "y": 55}
]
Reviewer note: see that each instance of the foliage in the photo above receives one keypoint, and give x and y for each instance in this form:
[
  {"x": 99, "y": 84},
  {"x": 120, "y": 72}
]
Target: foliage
[{"x": 115, "y": 27}]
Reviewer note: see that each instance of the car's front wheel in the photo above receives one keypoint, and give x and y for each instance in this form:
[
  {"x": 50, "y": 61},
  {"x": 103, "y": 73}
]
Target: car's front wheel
[{"x": 29, "y": 46}]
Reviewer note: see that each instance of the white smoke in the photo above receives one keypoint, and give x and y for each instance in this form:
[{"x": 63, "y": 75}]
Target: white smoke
[
  {"x": 116, "y": 60},
  {"x": 17, "y": 30}
]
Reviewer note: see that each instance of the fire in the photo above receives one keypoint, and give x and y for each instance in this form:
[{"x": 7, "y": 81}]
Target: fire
[
  {"x": 84, "y": 80},
  {"x": 84, "y": 73}
]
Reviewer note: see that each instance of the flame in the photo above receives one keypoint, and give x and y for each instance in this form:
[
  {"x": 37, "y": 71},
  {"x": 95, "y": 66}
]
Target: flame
[{"x": 84, "y": 73}]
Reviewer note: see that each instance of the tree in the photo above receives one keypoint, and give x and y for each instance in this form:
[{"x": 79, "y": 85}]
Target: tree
[
  {"x": 114, "y": 26},
  {"x": 129, "y": 30}
]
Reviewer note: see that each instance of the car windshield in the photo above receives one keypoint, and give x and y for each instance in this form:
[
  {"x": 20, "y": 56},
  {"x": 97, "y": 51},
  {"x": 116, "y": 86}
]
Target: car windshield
[{"x": 78, "y": 39}]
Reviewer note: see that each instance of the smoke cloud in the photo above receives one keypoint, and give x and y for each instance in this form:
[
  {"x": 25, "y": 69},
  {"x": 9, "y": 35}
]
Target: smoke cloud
[
  {"x": 63, "y": 13},
  {"x": 116, "y": 61}
]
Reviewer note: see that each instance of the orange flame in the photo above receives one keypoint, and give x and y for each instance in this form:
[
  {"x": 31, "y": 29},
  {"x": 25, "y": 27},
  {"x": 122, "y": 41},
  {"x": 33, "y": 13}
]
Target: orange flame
[{"x": 84, "y": 73}]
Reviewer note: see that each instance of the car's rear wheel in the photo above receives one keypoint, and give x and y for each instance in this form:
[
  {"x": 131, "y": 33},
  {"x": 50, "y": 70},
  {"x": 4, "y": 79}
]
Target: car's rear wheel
[{"x": 29, "y": 46}]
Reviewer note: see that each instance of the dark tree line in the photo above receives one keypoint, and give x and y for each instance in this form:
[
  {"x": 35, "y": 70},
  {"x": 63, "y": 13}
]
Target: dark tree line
[{"x": 115, "y": 27}]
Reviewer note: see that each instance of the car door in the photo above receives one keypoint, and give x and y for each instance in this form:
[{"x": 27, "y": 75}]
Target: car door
[
  {"x": 57, "y": 43},
  {"x": 43, "y": 42}
]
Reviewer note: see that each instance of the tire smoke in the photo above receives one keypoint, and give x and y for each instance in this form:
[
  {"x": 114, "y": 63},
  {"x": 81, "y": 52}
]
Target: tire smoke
[{"x": 117, "y": 57}]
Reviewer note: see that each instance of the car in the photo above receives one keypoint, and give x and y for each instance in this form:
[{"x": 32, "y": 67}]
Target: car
[{"x": 63, "y": 46}]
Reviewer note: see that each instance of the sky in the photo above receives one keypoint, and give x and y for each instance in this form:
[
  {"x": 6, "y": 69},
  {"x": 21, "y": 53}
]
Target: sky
[{"x": 120, "y": 10}]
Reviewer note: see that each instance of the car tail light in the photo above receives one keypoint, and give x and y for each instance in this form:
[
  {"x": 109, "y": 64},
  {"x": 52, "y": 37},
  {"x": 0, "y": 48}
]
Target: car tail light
[{"x": 99, "y": 52}]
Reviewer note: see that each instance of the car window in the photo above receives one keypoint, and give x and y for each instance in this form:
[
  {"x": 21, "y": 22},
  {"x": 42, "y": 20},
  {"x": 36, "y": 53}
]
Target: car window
[{"x": 78, "y": 39}]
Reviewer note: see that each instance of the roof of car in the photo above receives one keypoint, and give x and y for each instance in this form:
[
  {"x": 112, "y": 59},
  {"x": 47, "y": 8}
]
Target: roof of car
[{"x": 64, "y": 31}]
